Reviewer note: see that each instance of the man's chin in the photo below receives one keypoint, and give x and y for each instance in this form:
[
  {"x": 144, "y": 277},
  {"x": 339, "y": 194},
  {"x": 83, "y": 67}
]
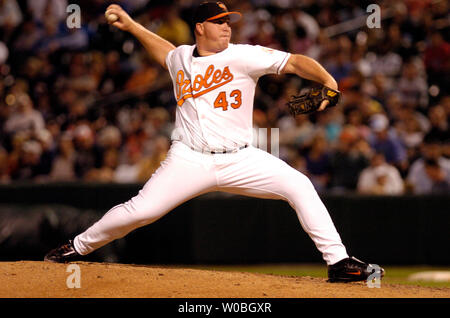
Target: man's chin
[{"x": 223, "y": 46}]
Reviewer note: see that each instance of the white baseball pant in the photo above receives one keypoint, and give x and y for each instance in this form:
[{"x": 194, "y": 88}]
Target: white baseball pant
[{"x": 186, "y": 173}]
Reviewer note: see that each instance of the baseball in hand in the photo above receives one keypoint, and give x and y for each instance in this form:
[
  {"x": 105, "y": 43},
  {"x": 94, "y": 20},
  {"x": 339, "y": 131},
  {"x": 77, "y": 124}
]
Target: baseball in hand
[{"x": 111, "y": 17}]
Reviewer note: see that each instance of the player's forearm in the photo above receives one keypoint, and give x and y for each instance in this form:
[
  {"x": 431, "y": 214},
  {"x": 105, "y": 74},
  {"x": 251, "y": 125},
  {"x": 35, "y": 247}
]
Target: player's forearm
[
  {"x": 309, "y": 69},
  {"x": 156, "y": 46}
]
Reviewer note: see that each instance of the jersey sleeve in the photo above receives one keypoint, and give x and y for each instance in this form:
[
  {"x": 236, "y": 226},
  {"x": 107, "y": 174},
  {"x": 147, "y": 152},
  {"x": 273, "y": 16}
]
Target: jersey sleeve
[
  {"x": 169, "y": 61},
  {"x": 263, "y": 60}
]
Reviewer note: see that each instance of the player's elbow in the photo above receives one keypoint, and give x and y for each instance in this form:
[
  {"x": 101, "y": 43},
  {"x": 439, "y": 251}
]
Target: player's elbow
[
  {"x": 292, "y": 65},
  {"x": 309, "y": 69}
]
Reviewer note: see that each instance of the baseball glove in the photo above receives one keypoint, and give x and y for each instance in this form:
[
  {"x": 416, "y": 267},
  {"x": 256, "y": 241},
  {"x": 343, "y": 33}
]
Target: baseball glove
[{"x": 310, "y": 99}]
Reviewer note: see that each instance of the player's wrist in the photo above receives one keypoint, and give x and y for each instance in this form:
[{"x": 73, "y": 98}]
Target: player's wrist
[{"x": 135, "y": 28}]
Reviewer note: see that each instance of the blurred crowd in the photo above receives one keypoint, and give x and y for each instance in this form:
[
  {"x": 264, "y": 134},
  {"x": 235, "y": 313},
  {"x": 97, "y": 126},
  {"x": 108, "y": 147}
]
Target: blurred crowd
[{"x": 88, "y": 104}]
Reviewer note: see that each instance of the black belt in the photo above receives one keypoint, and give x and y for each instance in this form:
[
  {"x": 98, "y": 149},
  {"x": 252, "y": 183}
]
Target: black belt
[{"x": 221, "y": 152}]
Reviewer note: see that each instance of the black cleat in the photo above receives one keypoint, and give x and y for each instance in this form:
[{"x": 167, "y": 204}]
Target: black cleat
[
  {"x": 353, "y": 270},
  {"x": 63, "y": 254}
]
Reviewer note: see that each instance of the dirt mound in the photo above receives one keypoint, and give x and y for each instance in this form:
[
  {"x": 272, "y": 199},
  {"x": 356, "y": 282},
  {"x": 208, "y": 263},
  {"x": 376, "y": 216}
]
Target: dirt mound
[{"x": 27, "y": 279}]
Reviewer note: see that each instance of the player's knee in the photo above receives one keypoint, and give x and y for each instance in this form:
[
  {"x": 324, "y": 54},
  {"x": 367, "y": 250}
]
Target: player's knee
[
  {"x": 298, "y": 184},
  {"x": 305, "y": 181}
]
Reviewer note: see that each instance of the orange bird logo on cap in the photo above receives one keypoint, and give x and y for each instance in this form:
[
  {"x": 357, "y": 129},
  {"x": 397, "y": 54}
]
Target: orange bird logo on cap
[{"x": 220, "y": 4}]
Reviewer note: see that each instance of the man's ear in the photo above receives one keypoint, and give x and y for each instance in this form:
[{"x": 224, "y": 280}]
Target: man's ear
[{"x": 199, "y": 28}]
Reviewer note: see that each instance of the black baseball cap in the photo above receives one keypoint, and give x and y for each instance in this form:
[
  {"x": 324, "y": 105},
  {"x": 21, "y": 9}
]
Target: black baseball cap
[{"x": 212, "y": 10}]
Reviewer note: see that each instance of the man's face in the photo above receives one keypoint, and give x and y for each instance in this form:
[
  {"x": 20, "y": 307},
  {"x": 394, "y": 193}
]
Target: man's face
[
  {"x": 431, "y": 150},
  {"x": 218, "y": 32},
  {"x": 435, "y": 173}
]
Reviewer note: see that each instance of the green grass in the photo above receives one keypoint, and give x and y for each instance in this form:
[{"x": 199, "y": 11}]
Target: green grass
[{"x": 394, "y": 274}]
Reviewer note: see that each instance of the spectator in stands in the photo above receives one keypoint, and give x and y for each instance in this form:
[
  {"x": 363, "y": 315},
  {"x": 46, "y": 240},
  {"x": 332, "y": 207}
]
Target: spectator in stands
[
  {"x": 63, "y": 165},
  {"x": 318, "y": 162},
  {"x": 340, "y": 66},
  {"x": 48, "y": 43},
  {"x": 423, "y": 175},
  {"x": 299, "y": 132},
  {"x": 45, "y": 138},
  {"x": 439, "y": 121},
  {"x": 445, "y": 102},
  {"x": 265, "y": 35},
  {"x": 380, "y": 87},
  {"x": 116, "y": 74},
  {"x": 308, "y": 25},
  {"x": 384, "y": 61},
  {"x": 25, "y": 118},
  {"x": 355, "y": 119},
  {"x": 301, "y": 43},
  {"x": 144, "y": 76},
  {"x": 79, "y": 78},
  {"x": 439, "y": 177},
  {"x": 157, "y": 119},
  {"x": 28, "y": 39},
  {"x": 437, "y": 61},
  {"x": 330, "y": 124},
  {"x": 10, "y": 18},
  {"x": 380, "y": 178},
  {"x": 151, "y": 163},
  {"x": 431, "y": 178},
  {"x": 348, "y": 160},
  {"x": 173, "y": 28},
  {"x": 299, "y": 163},
  {"x": 87, "y": 154},
  {"x": 385, "y": 141},
  {"x": 129, "y": 170},
  {"x": 413, "y": 87},
  {"x": 15, "y": 152},
  {"x": 42, "y": 9},
  {"x": 73, "y": 39},
  {"x": 75, "y": 112},
  {"x": 109, "y": 138},
  {"x": 29, "y": 162},
  {"x": 105, "y": 173},
  {"x": 409, "y": 130}
]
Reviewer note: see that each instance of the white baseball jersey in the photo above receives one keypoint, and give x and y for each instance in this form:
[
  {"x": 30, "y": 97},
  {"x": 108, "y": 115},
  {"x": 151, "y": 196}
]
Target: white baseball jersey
[{"x": 215, "y": 93}]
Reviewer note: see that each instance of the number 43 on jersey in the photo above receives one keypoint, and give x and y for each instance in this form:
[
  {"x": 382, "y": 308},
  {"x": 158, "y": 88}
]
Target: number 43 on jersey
[{"x": 222, "y": 100}]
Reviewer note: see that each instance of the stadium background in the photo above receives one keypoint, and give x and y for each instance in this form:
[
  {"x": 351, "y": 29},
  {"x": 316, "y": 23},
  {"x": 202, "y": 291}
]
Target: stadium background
[{"x": 86, "y": 117}]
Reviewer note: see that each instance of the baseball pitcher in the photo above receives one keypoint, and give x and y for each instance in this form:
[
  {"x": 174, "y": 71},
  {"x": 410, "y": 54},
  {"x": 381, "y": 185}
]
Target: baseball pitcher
[{"x": 214, "y": 85}]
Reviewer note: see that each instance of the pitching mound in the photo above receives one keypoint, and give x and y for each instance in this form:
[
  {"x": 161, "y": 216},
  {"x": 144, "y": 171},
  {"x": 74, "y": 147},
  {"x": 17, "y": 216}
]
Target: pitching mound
[{"x": 29, "y": 279}]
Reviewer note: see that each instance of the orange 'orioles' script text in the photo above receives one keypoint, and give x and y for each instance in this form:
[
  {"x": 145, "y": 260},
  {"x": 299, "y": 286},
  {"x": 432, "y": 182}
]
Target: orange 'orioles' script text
[{"x": 202, "y": 84}]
